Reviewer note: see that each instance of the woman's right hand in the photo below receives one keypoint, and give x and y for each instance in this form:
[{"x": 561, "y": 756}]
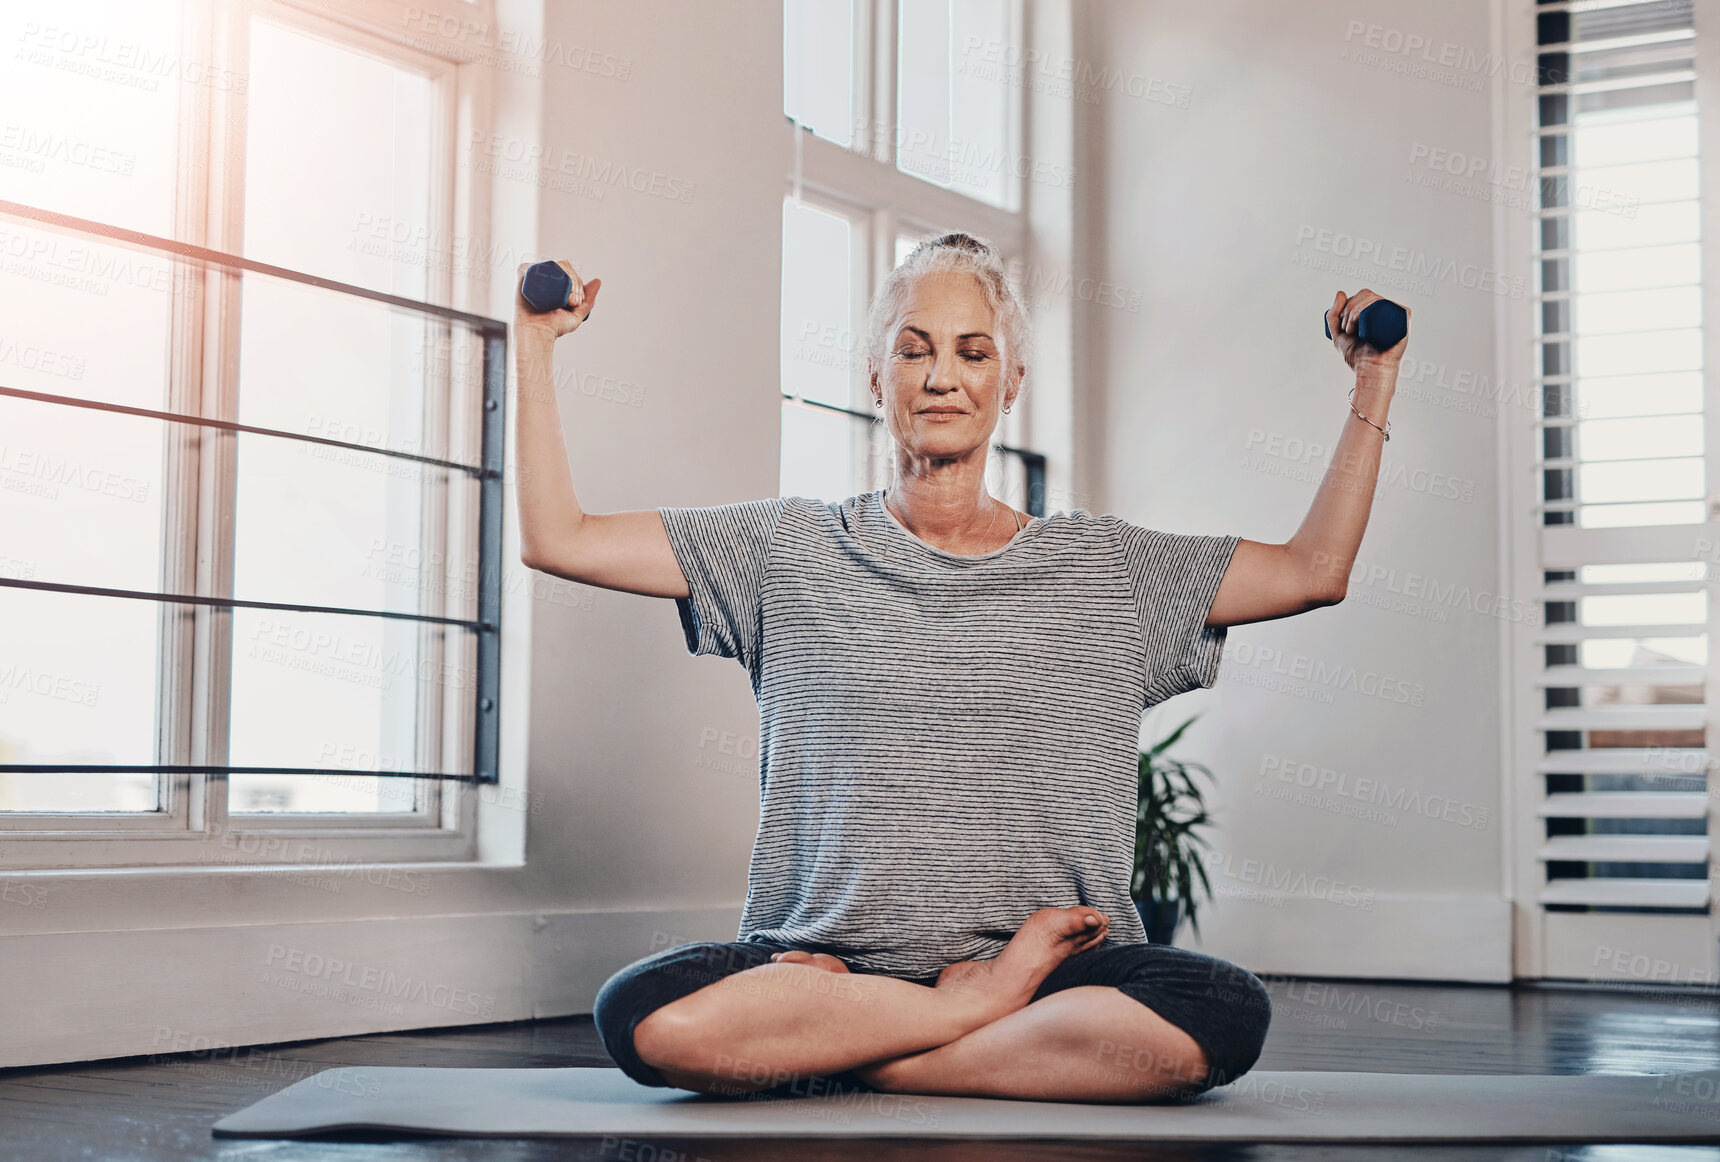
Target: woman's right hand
[{"x": 558, "y": 322}]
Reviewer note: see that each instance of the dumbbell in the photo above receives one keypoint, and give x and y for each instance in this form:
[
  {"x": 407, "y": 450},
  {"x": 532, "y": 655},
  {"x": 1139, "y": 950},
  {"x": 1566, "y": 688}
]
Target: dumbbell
[
  {"x": 1382, "y": 324},
  {"x": 547, "y": 287}
]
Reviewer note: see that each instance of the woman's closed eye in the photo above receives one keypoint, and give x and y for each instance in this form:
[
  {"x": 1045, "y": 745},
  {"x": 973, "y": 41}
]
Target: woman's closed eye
[{"x": 969, "y": 356}]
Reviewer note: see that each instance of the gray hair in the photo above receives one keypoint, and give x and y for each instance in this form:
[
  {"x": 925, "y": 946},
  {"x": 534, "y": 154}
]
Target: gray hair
[{"x": 962, "y": 253}]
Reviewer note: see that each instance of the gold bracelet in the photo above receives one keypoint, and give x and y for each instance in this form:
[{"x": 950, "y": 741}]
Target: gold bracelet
[{"x": 1385, "y": 431}]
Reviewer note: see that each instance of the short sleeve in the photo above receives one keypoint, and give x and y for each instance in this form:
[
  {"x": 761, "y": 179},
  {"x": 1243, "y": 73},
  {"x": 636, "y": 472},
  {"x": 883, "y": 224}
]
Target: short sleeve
[
  {"x": 723, "y": 551},
  {"x": 1175, "y": 578}
]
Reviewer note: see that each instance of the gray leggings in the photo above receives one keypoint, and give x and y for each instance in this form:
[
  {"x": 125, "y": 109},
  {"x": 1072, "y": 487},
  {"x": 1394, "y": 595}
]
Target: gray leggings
[{"x": 1225, "y": 1009}]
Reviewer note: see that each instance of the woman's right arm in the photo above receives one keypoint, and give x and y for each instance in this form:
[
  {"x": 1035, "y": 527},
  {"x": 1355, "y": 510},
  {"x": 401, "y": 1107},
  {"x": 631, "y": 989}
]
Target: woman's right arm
[{"x": 619, "y": 550}]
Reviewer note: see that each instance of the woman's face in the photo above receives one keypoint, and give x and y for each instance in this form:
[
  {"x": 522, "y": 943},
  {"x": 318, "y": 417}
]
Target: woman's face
[{"x": 943, "y": 382}]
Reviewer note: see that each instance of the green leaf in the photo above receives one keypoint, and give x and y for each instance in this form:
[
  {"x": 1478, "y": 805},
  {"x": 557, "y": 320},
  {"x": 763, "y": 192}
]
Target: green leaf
[{"x": 1170, "y": 812}]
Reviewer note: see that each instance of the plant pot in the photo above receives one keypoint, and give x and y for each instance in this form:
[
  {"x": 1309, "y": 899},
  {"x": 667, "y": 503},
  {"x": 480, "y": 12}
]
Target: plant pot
[{"x": 1160, "y": 918}]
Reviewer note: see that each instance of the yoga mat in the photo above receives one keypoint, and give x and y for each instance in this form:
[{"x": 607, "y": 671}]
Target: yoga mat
[{"x": 1257, "y": 1107}]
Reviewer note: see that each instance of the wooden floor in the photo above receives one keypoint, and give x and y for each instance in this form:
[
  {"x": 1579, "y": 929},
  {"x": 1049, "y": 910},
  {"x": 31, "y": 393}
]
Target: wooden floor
[{"x": 160, "y": 1109}]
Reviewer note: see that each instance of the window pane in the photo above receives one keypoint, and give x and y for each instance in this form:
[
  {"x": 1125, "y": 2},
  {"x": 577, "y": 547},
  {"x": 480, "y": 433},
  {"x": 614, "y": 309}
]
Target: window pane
[
  {"x": 340, "y": 153},
  {"x": 77, "y": 685},
  {"x": 1652, "y": 181},
  {"x": 1640, "y": 480},
  {"x": 818, "y": 66},
  {"x": 80, "y": 497},
  {"x": 361, "y": 694},
  {"x": 1643, "y": 608},
  {"x": 82, "y": 318},
  {"x": 370, "y": 377},
  {"x": 1657, "y": 266},
  {"x": 1643, "y": 310},
  {"x": 1647, "y": 436},
  {"x": 1646, "y": 226},
  {"x": 952, "y": 102},
  {"x": 817, "y": 453},
  {"x": 350, "y": 185},
  {"x": 328, "y": 526},
  {"x": 1608, "y": 653},
  {"x": 1620, "y": 144},
  {"x": 323, "y": 795},
  {"x": 820, "y": 345},
  {"x": 91, "y": 90},
  {"x": 1640, "y": 395},
  {"x": 981, "y": 164},
  {"x": 1651, "y": 352}
]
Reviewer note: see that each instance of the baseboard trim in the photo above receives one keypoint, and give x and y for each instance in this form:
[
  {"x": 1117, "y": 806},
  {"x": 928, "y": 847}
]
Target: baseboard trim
[
  {"x": 1369, "y": 936},
  {"x": 84, "y": 996}
]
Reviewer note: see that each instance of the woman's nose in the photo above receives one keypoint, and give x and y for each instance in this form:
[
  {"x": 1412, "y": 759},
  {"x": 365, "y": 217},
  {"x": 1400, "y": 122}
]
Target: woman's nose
[{"x": 944, "y": 376}]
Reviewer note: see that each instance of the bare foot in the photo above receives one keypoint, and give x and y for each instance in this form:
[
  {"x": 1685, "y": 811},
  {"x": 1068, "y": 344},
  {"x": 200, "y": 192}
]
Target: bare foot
[
  {"x": 811, "y": 959},
  {"x": 1007, "y": 982}
]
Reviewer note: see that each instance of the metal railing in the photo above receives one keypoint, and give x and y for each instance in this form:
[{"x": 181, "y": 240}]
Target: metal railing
[{"x": 488, "y": 472}]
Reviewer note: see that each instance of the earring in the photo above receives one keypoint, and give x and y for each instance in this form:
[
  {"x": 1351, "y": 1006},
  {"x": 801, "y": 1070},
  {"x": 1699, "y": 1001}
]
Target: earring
[
  {"x": 877, "y": 401},
  {"x": 1006, "y": 411}
]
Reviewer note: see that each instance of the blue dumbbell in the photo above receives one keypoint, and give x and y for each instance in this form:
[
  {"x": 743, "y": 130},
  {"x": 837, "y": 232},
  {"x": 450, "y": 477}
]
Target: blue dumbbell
[
  {"x": 547, "y": 287},
  {"x": 1382, "y": 324}
]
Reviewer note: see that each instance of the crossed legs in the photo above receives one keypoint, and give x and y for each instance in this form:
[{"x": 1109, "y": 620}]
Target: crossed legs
[
  {"x": 1090, "y": 1043},
  {"x": 1021, "y": 1025}
]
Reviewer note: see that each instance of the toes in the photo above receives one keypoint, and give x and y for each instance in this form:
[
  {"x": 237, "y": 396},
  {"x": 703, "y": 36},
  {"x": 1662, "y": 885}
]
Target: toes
[
  {"x": 1087, "y": 927},
  {"x": 1082, "y": 921}
]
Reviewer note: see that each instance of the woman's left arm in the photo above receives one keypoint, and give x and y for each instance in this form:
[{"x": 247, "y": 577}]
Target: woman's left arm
[{"x": 1312, "y": 569}]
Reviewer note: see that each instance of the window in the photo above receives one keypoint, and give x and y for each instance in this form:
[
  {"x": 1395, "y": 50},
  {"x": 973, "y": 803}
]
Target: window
[
  {"x": 897, "y": 134},
  {"x": 253, "y": 551},
  {"x": 818, "y": 59},
  {"x": 1625, "y": 550},
  {"x": 956, "y": 121}
]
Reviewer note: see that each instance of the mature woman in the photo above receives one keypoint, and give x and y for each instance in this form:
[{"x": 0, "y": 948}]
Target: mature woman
[{"x": 950, "y": 694}]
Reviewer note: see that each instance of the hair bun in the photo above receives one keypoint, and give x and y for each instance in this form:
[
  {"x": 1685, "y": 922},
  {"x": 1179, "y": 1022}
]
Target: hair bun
[{"x": 960, "y": 240}]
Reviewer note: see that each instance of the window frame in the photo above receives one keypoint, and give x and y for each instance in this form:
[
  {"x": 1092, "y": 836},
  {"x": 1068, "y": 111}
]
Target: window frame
[
  {"x": 1549, "y": 943},
  {"x": 192, "y": 825}
]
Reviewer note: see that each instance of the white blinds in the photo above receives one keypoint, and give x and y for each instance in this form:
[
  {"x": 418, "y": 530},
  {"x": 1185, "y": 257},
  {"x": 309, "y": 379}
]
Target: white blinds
[{"x": 1626, "y": 553}]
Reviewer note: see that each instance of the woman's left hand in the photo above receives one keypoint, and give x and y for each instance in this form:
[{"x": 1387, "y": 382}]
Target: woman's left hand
[{"x": 1363, "y": 359}]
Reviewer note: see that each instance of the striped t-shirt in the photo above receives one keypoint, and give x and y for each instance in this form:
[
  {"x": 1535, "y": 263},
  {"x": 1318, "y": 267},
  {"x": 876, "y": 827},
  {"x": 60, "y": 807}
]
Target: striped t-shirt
[{"x": 947, "y": 742}]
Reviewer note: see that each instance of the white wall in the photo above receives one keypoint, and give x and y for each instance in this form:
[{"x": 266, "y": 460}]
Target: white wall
[
  {"x": 688, "y": 313},
  {"x": 1198, "y": 417}
]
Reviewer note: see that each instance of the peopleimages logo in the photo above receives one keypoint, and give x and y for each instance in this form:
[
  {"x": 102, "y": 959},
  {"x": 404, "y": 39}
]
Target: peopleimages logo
[
  {"x": 1289, "y": 882},
  {"x": 1417, "y": 264},
  {"x": 1420, "y": 587},
  {"x": 540, "y": 161},
  {"x": 1375, "y": 792},
  {"x": 333, "y": 971},
  {"x": 1319, "y": 673},
  {"x": 1339, "y": 1000}
]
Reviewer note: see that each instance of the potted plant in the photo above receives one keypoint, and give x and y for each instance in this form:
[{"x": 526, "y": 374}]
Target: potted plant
[{"x": 1170, "y": 873}]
